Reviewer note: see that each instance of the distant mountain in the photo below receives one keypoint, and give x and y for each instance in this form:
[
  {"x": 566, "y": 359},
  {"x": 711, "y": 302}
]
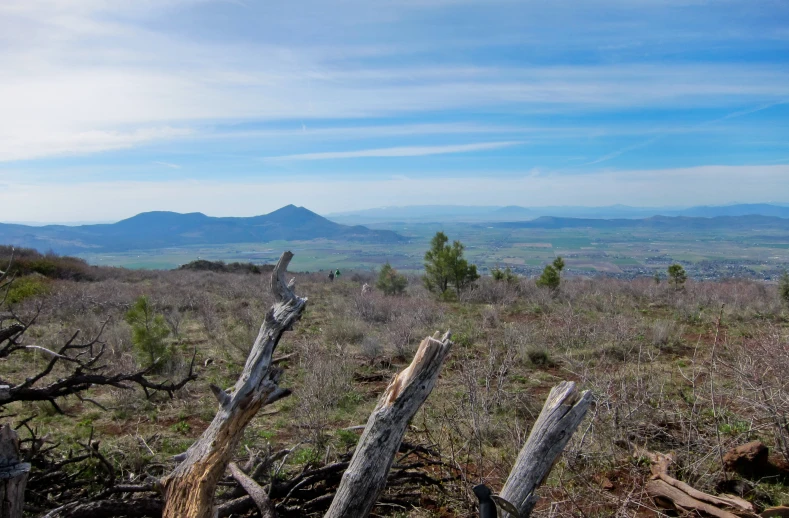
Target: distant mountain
[
  {"x": 472, "y": 214},
  {"x": 151, "y": 230},
  {"x": 761, "y": 209},
  {"x": 657, "y": 223}
]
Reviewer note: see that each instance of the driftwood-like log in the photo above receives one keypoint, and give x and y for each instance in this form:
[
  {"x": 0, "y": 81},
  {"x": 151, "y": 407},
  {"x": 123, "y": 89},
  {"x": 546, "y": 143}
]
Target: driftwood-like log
[
  {"x": 563, "y": 411},
  {"x": 670, "y": 493},
  {"x": 13, "y": 475},
  {"x": 366, "y": 475},
  {"x": 189, "y": 489}
]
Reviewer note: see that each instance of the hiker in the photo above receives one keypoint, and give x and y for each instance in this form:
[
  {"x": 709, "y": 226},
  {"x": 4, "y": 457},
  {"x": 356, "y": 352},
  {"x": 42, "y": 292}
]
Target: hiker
[
  {"x": 331, "y": 276},
  {"x": 337, "y": 273}
]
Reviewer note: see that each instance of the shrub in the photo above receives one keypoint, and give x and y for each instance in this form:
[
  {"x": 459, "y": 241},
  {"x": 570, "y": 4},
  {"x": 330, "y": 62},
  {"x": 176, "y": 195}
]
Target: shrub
[
  {"x": 149, "y": 331},
  {"x": 25, "y": 288},
  {"x": 390, "y": 282},
  {"x": 27, "y": 261},
  {"x": 222, "y": 267},
  {"x": 783, "y": 288},
  {"x": 504, "y": 275},
  {"x": 540, "y": 356},
  {"x": 343, "y": 331}
]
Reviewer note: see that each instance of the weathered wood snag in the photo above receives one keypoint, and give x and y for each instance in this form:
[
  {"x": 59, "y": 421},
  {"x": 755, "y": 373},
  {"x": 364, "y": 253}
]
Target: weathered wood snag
[
  {"x": 670, "y": 493},
  {"x": 563, "y": 411},
  {"x": 365, "y": 477},
  {"x": 189, "y": 489},
  {"x": 13, "y": 475}
]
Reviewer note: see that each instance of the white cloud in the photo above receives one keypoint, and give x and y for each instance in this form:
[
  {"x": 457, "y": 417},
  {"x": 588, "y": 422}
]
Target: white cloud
[
  {"x": 21, "y": 145},
  {"x": 399, "y": 151},
  {"x": 117, "y": 200},
  {"x": 75, "y": 73}
]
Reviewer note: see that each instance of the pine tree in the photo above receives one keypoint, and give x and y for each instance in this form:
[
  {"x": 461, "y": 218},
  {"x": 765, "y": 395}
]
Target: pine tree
[
  {"x": 551, "y": 277},
  {"x": 149, "y": 331},
  {"x": 390, "y": 282},
  {"x": 445, "y": 266},
  {"x": 677, "y": 276}
]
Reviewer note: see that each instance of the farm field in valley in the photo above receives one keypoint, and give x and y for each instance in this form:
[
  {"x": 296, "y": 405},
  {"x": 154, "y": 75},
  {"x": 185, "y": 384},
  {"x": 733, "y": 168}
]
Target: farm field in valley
[{"x": 625, "y": 254}]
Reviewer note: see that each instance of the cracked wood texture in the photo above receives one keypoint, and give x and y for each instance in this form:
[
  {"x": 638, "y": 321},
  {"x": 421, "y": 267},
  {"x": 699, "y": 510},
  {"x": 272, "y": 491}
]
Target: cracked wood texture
[
  {"x": 365, "y": 478},
  {"x": 189, "y": 490},
  {"x": 13, "y": 475},
  {"x": 563, "y": 411}
]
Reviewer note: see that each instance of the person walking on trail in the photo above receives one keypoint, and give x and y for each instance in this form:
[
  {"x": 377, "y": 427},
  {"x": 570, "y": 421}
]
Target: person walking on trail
[
  {"x": 331, "y": 276},
  {"x": 337, "y": 273}
]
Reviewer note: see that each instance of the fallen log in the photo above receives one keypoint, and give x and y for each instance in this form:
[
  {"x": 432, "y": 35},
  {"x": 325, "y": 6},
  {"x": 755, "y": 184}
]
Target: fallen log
[{"x": 670, "y": 493}]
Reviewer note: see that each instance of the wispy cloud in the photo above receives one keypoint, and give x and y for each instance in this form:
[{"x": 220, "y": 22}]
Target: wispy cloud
[
  {"x": 24, "y": 144},
  {"x": 168, "y": 164},
  {"x": 624, "y": 150},
  {"x": 96, "y": 66},
  {"x": 399, "y": 151},
  {"x": 122, "y": 90}
]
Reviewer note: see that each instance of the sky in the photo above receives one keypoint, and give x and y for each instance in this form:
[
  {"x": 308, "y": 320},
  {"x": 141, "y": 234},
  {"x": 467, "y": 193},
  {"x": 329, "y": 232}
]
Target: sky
[{"x": 238, "y": 107}]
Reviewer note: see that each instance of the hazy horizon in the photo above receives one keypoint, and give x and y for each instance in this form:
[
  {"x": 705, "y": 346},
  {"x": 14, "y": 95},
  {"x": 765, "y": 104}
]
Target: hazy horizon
[
  {"x": 436, "y": 208},
  {"x": 238, "y": 108}
]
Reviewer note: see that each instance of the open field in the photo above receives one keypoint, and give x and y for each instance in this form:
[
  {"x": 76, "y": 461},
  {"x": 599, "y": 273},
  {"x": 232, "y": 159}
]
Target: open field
[
  {"x": 683, "y": 371},
  {"x": 705, "y": 254}
]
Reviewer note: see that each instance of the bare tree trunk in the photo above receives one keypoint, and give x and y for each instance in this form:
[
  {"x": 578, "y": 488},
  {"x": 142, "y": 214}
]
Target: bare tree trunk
[
  {"x": 189, "y": 489},
  {"x": 563, "y": 411},
  {"x": 365, "y": 477},
  {"x": 13, "y": 475}
]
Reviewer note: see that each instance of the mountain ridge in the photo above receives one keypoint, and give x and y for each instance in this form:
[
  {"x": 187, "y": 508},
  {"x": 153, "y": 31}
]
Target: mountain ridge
[
  {"x": 164, "y": 229},
  {"x": 472, "y": 214}
]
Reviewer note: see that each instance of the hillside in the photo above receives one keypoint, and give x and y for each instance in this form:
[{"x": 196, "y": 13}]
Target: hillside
[
  {"x": 648, "y": 352},
  {"x": 151, "y": 230}
]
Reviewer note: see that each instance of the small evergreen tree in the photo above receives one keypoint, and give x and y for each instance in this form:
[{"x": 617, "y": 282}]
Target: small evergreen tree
[
  {"x": 783, "y": 287},
  {"x": 504, "y": 275},
  {"x": 149, "y": 331},
  {"x": 677, "y": 276},
  {"x": 390, "y": 282},
  {"x": 445, "y": 266},
  {"x": 551, "y": 277}
]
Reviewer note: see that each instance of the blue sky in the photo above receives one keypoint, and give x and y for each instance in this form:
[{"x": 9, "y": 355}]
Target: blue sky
[{"x": 238, "y": 107}]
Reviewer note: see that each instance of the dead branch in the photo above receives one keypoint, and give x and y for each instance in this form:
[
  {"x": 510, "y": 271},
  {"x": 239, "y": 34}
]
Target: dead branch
[
  {"x": 253, "y": 489},
  {"x": 189, "y": 490}
]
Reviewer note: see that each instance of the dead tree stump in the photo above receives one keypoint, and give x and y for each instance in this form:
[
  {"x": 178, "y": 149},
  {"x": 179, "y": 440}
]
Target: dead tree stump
[
  {"x": 365, "y": 477},
  {"x": 189, "y": 490},
  {"x": 563, "y": 411},
  {"x": 13, "y": 475}
]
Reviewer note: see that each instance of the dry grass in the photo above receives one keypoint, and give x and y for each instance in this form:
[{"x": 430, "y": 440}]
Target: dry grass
[{"x": 645, "y": 351}]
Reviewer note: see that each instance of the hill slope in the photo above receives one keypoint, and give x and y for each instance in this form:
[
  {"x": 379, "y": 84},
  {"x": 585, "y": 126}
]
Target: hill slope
[{"x": 170, "y": 229}]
